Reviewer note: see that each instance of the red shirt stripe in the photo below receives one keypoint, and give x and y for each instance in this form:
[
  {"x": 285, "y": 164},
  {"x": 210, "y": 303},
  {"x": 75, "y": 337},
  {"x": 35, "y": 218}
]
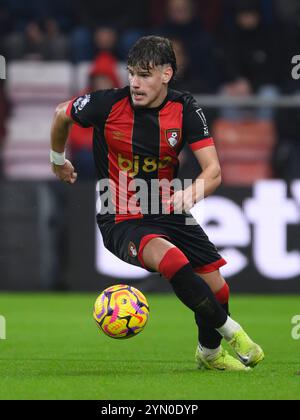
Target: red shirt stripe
[{"x": 118, "y": 134}]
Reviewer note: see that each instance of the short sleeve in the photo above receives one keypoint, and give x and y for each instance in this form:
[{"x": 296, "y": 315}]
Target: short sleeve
[
  {"x": 89, "y": 110},
  {"x": 195, "y": 127}
]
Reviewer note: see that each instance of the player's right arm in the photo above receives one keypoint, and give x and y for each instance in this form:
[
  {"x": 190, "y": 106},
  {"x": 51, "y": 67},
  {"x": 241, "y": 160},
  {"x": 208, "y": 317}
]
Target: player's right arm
[
  {"x": 90, "y": 110},
  {"x": 61, "y": 125}
]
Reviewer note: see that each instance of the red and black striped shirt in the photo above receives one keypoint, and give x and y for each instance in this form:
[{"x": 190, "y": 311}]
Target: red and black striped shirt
[{"x": 141, "y": 143}]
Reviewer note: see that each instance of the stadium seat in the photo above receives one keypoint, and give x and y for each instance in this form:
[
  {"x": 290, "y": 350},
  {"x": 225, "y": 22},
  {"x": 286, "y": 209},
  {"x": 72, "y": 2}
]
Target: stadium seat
[
  {"x": 46, "y": 82},
  {"x": 245, "y": 150},
  {"x": 26, "y": 150},
  {"x": 34, "y": 88}
]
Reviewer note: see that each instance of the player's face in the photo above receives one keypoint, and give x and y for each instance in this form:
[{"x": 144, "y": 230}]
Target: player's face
[{"x": 149, "y": 88}]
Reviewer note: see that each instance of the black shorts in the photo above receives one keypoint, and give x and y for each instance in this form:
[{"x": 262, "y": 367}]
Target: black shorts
[{"x": 127, "y": 240}]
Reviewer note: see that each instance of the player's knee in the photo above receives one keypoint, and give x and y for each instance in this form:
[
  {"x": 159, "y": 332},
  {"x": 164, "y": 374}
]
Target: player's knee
[
  {"x": 151, "y": 251},
  {"x": 172, "y": 261},
  {"x": 162, "y": 256}
]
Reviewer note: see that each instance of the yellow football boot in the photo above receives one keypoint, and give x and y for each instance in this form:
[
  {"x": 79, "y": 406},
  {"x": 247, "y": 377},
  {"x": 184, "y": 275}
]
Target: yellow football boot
[
  {"x": 249, "y": 353},
  {"x": 222, "y": 361}
]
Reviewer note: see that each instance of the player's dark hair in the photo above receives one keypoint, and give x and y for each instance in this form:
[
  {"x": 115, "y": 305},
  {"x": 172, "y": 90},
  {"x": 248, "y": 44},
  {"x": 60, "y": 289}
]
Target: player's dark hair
[{"x": 151, "y": 51}]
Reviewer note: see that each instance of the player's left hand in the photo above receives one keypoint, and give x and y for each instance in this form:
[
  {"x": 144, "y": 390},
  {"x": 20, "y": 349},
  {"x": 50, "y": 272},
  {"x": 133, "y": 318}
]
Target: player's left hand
[{"x": 182, "y": 201}]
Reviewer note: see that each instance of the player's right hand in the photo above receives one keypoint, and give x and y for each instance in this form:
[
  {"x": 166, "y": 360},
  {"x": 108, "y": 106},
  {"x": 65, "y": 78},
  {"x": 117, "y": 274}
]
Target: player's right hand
[{"x": 65, "y": 173}]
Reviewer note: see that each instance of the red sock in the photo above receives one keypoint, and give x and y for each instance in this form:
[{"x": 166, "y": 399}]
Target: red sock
[
  {"x": 172, "y": 262},
  {"x": 223, "y": 295}
]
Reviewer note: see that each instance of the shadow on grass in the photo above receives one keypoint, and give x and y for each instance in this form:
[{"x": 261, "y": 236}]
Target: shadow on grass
[{"x": 97, "y": 368}]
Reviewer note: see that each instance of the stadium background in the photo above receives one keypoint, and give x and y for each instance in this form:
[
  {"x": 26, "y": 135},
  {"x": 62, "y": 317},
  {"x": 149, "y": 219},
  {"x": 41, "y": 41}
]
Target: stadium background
[
  {"x": 241, "y": 60},
  {"x": 240, "y": 50}
]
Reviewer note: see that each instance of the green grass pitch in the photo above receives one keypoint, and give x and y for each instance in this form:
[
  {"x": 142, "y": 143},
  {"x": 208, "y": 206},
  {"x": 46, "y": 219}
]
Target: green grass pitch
[{"x": 54, "y": 350}]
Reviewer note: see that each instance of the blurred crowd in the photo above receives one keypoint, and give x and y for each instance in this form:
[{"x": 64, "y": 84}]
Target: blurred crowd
[
  {"x": 245, "y": 44},
  {"x": 238, "y": 47}
]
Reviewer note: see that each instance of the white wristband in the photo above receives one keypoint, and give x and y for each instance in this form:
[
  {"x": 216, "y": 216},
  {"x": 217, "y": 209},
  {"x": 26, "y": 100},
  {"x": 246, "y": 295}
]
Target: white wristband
[{"x": 57, "y": 158}]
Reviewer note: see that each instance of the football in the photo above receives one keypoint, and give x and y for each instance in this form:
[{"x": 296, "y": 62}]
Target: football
[{"x": 121, "y": 311}]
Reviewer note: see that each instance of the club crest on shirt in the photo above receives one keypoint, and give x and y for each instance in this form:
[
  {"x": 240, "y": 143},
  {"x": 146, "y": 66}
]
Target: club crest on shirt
[
  {"x": 173, "y": 136},
  {"x": 81, "y": 102},
  {"x": 132, "y": 251}
]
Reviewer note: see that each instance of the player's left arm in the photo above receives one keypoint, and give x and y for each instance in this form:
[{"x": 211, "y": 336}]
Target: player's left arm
[
  {"x": 210, "y": 178},
  {"x": 205, "y": 184},
  {"x": 196, "y": 134}
]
